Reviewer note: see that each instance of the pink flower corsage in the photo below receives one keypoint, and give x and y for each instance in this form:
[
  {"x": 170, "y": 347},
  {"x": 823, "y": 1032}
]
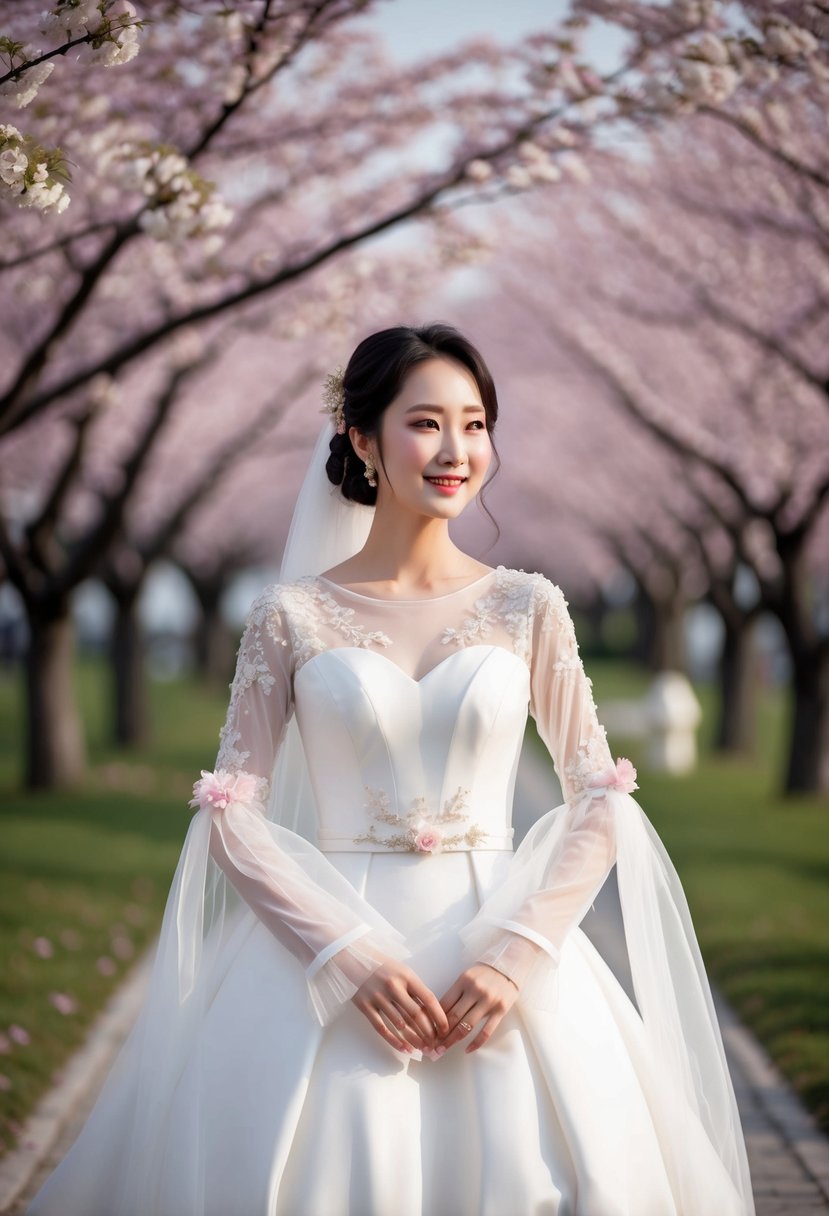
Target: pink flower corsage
[
  {"x": 221, "y": 788},
  {"x": 622, "y": 776},
  {"x": 427, "y": 839}
]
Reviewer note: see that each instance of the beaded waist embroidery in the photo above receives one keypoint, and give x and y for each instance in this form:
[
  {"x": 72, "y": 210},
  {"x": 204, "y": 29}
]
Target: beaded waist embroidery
[{"x": 419, "y": 830}]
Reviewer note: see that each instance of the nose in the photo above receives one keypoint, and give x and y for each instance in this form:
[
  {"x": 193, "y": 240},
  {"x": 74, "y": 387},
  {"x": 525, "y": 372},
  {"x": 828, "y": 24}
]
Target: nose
[{"x": 453, "y": 449}]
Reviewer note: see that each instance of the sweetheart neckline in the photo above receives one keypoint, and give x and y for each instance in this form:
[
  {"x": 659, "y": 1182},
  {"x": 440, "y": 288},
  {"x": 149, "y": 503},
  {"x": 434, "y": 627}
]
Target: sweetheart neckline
[{"x": 418, "y": 682}]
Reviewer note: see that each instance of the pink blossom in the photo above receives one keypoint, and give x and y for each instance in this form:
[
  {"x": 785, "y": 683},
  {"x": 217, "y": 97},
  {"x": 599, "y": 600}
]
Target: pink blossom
[
  {"x": 625, "y": 775},
  {"x": 427, "y": 839},
  {"x": 620, "y": 776},
  {"x": 63, "y": 1002},
  {"x": 220, "y": 788},
  {"x": 19, "y": 1035},
  {"x": 43, "y": 947},
  {"x": 5, "y": 1083},
  {"x": 106, "y": 966},
  {"x": 121, "y": 946}
]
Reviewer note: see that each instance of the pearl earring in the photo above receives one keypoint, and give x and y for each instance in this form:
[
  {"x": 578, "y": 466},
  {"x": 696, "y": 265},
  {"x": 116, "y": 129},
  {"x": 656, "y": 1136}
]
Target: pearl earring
[{"x": 370, "y": 471}]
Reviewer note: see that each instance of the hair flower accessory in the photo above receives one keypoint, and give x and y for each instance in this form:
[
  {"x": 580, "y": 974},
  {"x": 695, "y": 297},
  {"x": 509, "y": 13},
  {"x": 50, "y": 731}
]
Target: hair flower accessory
[
  {"x": 220, "y": 788},
  {"x": 621, "y": 776},
  {"x": 334, "y": 398}
]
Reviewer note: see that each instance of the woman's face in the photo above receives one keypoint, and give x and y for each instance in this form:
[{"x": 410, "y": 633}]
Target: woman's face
[{"x": 434, "y": 429}]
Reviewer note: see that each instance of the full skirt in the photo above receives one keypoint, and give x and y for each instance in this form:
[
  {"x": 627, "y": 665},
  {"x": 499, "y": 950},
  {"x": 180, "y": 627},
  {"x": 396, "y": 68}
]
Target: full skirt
[{"x": 561, "y": 1113}]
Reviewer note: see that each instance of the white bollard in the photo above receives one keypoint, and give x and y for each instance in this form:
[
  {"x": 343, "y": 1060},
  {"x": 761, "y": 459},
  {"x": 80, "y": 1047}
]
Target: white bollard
[{"x": 673, "y": 713}]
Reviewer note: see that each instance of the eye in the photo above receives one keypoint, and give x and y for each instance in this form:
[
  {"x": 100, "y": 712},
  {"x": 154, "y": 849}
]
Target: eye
[{"x": 476, "y": 422}]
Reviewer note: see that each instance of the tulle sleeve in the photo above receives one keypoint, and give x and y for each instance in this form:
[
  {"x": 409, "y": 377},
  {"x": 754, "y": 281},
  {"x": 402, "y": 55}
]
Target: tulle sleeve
[
  {"x": 303, "y": 900},
  {"x": 566, "y": 856}
]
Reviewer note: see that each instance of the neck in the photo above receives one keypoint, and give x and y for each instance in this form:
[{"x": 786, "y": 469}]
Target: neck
[{"x": 409, "y": 550}]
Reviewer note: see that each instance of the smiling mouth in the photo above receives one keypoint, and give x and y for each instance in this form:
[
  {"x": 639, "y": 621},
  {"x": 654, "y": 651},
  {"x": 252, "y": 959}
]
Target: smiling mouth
[{"x": 446, "y": 481}]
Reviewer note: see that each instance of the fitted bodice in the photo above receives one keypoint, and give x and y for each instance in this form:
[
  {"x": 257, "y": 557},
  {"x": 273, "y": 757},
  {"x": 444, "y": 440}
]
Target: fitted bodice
[{"x": 396, "y": 762}]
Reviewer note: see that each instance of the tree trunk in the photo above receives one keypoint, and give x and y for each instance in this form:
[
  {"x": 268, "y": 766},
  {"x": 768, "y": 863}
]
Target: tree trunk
[
  {"x": 213, "y": 643},
  {"x": 736, "y": 727},
  {"x": 808, "y": 764},
  {"x": 668, "y": 639},
  {"x": 131, "y": 719},
  {"x": 55, "y": 746},
  {"x": 644, "y": 615}
]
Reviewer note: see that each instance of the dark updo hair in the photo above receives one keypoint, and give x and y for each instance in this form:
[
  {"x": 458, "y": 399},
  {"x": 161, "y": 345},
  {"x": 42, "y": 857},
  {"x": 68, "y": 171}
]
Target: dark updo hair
[{"x": 373, "y": 378}]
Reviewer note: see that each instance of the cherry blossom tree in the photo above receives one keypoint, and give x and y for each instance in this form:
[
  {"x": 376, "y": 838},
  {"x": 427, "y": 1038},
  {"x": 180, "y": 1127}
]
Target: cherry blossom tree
[
  {"x": 240, "y": 153},
  {"x": 125, "y": 567},
  {"x": 689, "y": 283}
]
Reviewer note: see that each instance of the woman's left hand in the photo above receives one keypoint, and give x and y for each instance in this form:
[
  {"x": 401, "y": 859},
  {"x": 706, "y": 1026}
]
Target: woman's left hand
[{"x": 480, "y": 994}]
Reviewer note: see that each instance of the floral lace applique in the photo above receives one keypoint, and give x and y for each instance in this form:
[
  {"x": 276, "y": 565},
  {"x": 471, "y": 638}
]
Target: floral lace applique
[
  {"x": 309, "y": 604},
  {"x": 251, "y": 668},
  {"x": 423, "y": 831},
  {"x": 550, "y": 599},
  {"x": 507, "y": 602},
  {"x": 589, "y": 761}
]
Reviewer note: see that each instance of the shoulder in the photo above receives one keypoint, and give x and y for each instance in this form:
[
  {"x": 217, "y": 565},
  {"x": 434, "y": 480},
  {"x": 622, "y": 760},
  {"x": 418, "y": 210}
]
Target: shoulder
[
  {"x": 281, "y": 597},
  {"x": 550, "y": 627},
  {"x": 289, "y": 613},
  {"x": 541, "y": 594},
  {"x": 273, "y": 608},
  {"x": 268, "y": 602}
]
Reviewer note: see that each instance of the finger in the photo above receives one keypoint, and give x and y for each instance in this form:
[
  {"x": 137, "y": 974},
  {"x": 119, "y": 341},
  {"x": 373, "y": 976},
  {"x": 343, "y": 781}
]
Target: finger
[
  {"x": 464, "y": 1019},
  {"x": 430, "y": 1004},
  {"x": 382, "y": 1029},
  {"x": 486, "y": 1032},
  {"x": 418, "y": 1017},
  {"x": 459, "y": 1010},
  {"x": 399, "y": 1022},
  {"x": 452, "y": 995}
]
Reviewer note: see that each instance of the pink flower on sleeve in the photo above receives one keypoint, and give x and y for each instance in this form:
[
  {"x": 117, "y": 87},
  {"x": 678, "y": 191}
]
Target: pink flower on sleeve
[
  {"x": 625, "y": 776},
  {"x": 620, "y": 776},
  {"x": 220, "y": 788}
]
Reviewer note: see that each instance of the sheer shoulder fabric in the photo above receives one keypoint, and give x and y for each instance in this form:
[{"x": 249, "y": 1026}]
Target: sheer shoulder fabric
[{"x": 415, "y": 634}]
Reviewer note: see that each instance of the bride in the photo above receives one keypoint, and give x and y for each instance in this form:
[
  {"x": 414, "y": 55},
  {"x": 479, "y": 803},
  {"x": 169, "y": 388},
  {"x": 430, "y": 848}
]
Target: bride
[{"x": 365, "y": 1001}]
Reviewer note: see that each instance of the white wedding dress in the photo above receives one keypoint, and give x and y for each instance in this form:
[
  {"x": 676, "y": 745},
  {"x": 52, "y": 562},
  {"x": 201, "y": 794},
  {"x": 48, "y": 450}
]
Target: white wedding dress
[{"x": 278, "y": 1098}]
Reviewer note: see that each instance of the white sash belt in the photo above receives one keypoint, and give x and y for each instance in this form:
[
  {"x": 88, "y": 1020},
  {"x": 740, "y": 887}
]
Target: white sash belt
[{"x": 331, "y": 842}]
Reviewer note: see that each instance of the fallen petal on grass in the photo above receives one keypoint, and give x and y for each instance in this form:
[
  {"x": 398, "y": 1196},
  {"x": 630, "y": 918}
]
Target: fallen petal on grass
[{"x": 63, "y": 1002}]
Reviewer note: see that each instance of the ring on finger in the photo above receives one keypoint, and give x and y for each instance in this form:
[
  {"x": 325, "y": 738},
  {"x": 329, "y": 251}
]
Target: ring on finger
[{"x": 465, "y": 1027}]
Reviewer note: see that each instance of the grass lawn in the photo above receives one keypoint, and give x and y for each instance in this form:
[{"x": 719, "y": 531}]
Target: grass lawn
[{"x": 84, "y": 878}]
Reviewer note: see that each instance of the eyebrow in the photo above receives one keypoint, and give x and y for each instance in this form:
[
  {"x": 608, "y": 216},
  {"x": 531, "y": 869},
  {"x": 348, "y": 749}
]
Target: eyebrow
[{"x": 467, "y": 409}]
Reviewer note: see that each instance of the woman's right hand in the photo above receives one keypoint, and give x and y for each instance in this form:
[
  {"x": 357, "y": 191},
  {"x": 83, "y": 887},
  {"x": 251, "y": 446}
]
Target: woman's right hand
[{"x": 395, "y": 994}]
